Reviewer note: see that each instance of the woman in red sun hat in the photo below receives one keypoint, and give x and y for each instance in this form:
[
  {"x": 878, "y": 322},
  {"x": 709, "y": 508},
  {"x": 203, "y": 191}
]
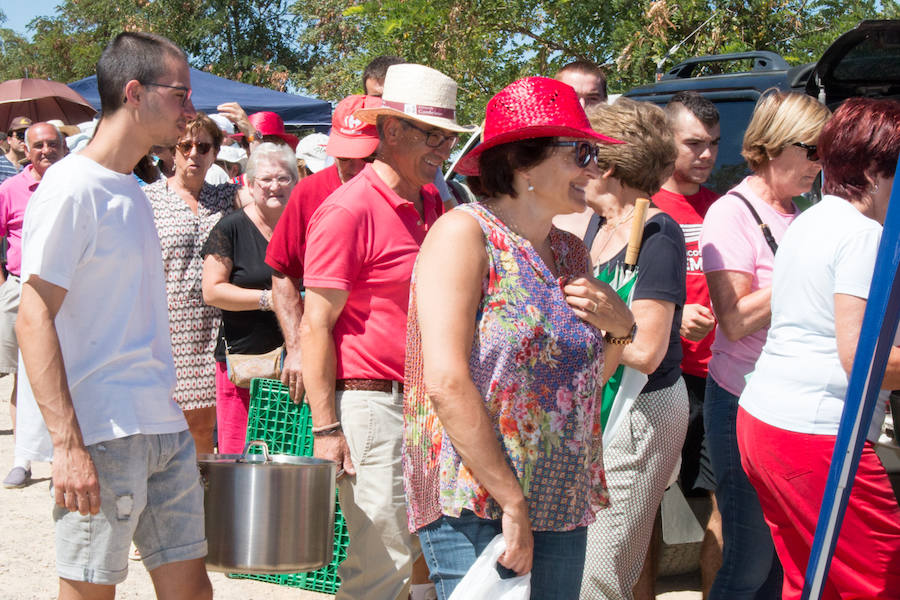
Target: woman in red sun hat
[{"x": 505, "y": 354}]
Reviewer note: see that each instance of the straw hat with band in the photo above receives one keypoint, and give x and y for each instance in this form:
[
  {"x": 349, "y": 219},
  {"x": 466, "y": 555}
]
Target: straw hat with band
[
  {"x": 528, "y": 108},
  {"x": 269, "y": 123},
  {"x": 417, "y": 93}
]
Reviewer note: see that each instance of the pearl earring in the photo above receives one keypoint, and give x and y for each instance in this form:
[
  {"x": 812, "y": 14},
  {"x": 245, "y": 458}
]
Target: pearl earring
[{"x": 530, "y": 188}]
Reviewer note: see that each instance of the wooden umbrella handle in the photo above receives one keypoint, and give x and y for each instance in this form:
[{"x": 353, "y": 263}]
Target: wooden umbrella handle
[{"x": 637, "y": 232}]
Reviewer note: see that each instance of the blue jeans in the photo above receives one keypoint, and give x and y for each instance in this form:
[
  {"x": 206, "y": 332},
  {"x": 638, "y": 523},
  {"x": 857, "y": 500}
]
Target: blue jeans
[
  {"x": 451, "y": 545},
  {"x": 750, "y": 568}
]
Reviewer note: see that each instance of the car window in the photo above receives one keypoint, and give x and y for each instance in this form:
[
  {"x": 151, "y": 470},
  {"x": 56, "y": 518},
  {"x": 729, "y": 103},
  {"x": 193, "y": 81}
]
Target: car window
[{"x": 868, "y": 58}]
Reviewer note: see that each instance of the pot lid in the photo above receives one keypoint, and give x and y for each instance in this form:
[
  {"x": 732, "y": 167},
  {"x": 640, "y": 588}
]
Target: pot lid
[
  {"x": 865, "y": 61},
  {"x": 262, "y": 457}
]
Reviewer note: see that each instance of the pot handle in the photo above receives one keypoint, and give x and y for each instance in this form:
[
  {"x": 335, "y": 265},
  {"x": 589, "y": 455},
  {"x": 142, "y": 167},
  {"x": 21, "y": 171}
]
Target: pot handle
[{"x": 259, "y": 444}]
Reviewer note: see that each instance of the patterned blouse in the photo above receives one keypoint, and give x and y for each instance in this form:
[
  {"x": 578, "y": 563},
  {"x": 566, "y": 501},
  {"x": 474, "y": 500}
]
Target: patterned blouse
[
  {"x": 193, "y": 326},
  {"x": 538, "y": 368}
]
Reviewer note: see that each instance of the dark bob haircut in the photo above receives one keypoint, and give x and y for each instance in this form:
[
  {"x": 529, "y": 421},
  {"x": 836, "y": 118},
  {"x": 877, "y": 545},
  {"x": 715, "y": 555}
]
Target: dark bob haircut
[
  {"x": 498, "y": 164},
  {"x": 862, "y": 138}
]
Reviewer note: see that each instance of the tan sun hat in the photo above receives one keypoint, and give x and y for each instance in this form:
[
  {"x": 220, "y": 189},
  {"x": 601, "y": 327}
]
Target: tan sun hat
[{"x": 417, "y": 93}]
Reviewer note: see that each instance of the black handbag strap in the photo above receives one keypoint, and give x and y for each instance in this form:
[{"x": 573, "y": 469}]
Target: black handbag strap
[
  {"x": 767, "y": 233},
  {"x": 593, "y": 229}
]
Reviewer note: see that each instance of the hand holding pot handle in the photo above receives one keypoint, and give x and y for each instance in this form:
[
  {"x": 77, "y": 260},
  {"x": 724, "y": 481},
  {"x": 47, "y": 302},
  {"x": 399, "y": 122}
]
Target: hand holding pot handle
[{"x": 334, "y": 447}]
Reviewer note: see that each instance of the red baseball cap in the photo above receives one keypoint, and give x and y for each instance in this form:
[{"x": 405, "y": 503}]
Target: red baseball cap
[{"x": 351, "y": 137}]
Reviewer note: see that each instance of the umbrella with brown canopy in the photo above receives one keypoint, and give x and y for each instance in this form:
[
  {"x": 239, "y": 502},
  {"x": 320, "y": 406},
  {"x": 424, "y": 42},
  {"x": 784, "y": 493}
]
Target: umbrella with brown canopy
[{"x": 42, "y": 100}]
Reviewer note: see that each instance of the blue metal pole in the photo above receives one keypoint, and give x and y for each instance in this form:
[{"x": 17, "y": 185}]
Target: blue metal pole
[{"x": 875, "y": 342}]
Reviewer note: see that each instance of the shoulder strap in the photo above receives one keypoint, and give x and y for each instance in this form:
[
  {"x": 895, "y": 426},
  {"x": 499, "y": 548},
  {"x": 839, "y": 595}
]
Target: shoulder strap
[
  {"x": 593, "y": 229},
  {"x": 767, "y": 233}
]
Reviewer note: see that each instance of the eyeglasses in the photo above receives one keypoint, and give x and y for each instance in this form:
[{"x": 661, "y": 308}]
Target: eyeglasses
[
  {"x": 20, "y": 134},
  {"x": 186, "y": 90},
  {"x": 433, "y": 138},
  {"x": 812, "y": 151},
  {"x": 280, "y": 180},
  {"x": 584, "y": 151},
  {"x": 185, "y": 147}
]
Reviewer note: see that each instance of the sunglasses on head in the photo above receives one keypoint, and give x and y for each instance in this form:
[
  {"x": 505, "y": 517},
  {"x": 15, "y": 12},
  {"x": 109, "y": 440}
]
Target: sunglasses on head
[
  {"x": 584, "y": 151},
  {"x": 812, "y": 151},
  {"x": 185, "y": 147}
]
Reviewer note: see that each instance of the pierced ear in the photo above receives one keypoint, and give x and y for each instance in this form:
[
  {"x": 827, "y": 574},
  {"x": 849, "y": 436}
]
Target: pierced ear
[{"x": 133, "y": 91}]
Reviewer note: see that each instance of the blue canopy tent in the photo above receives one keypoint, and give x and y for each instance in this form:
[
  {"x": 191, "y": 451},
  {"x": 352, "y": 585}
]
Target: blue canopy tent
[{"x": 209, "y": 91}]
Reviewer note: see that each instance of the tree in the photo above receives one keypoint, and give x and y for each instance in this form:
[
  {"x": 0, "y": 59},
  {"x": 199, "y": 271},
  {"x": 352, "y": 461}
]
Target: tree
[
  {"x": 485, "y": 44},
  {"x": 253, "y": 41}
]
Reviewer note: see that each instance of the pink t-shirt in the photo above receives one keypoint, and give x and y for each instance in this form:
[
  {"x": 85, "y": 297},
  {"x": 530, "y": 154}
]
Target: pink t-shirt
[
  {"x": 14, "y": 195},
  {"x": 731, "y": 240},
  {"x": 364, "y": 239}
]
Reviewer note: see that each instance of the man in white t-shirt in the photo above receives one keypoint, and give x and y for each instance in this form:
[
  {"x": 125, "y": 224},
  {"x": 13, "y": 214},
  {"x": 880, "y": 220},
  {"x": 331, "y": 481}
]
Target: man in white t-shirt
[{"x": 94, "y": 336}]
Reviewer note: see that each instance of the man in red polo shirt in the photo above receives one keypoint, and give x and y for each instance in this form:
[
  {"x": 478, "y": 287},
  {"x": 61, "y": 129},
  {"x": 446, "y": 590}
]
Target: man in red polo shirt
[
  {"x": 351, "y": 143},
  {"x": 695, "y": 125},
  {"x": 361, "y": 246}
]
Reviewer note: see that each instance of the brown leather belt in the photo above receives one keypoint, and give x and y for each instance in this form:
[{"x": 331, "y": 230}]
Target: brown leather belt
[{"x": 368, "y": 385}]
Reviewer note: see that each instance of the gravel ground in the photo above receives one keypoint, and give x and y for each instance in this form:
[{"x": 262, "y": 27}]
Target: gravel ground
[{"x": 27, "y": 556}]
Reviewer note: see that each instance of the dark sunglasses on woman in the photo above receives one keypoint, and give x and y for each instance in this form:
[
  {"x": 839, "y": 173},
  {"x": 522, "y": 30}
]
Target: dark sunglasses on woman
[
  {"x": 185, "y": 147},
  {"x": 584, "y": 151},
  {"x": 812, "y": 152}
]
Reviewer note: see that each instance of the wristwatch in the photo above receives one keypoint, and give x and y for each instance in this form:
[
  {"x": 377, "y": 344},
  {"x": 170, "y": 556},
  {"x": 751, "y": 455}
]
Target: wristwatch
[{"x": 621, "y": 341}]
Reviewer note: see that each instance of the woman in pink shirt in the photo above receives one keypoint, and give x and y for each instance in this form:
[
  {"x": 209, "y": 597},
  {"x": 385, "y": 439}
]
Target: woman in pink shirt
[{"x": 738, "y": 246}]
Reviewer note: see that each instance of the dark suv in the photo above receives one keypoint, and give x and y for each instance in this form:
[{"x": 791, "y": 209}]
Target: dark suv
[
  {"x": 865, "y": 61},
  {"x": 734, "y": 91}
]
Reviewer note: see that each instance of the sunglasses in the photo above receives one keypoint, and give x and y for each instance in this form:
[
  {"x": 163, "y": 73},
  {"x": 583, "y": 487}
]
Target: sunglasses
[
  {"x": 812, "y": 151},
  {"x": 433, "y": 138},
  {"x": 185, "y": 147},
  {"x": 20, "y": 134},
  {"x": 584, "y": 151}
]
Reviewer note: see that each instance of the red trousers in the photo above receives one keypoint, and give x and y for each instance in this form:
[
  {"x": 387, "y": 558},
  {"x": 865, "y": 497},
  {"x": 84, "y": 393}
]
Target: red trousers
[
  {"x": 232, "y": 408},
  {"x": 789, "y": 471}
]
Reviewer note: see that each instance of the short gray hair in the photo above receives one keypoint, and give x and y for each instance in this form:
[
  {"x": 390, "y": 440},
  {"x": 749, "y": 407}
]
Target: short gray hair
[
  {"x": 267, "y": 152},
  {"x": 59, "y": 135}
]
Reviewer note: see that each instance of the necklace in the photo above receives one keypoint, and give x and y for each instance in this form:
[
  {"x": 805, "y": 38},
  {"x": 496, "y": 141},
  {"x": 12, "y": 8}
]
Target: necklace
[
  {"x": 610, "y": 233},
  {"x": 613, "y": 226}
]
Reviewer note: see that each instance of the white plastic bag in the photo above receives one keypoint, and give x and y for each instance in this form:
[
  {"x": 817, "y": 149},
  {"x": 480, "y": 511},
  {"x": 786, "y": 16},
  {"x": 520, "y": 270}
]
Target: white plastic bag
[{"x": 482, "y": 581}]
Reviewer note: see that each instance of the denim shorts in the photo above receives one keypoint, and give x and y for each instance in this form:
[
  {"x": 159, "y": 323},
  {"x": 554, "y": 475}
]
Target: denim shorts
[
  {"x": 150, "y": 492},
  {"x": 451, "y": 545}
]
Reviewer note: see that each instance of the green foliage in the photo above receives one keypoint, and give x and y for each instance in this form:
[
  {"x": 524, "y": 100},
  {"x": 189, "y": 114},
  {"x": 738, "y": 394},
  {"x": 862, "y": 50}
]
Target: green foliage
[
  {"x": 322, "y": 46},
  {"x": 249, "y": 40},
  {"x": 485, "y": 44}
]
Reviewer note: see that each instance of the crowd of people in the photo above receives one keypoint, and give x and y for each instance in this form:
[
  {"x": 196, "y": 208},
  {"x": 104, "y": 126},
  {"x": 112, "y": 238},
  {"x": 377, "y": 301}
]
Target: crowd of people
[{"x": 457, "y": 360}]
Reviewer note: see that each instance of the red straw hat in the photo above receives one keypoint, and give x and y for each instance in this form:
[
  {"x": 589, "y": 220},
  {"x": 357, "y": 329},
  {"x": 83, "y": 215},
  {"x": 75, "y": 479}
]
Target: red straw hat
[
  {"x": 269, "y": 123},
  {"x": 528, "y": 108},
  {"x": 351, "y": 137}
]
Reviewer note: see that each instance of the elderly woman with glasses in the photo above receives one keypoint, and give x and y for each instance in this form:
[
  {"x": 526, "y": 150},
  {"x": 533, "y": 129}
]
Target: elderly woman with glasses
[
  {"x": 506, "y": 354},
  {"x": 738, "y": 242},
  {"x": 185, "y": 209},
  {"x": 237, "y": 280}
]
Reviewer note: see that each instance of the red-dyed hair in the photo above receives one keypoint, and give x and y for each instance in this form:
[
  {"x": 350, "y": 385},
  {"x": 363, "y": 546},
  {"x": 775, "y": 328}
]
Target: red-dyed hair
[{"x": 862, "y": 138}]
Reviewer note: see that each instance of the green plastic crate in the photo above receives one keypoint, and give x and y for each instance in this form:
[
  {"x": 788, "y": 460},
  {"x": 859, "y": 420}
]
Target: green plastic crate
[{"x": 287, "y": 429}]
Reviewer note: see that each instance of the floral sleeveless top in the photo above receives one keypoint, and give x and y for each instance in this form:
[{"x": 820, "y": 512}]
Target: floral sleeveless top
[{"x": 538, "y": 368}]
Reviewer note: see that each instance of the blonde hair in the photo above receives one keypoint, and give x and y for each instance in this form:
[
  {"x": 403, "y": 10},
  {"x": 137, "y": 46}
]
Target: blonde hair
[
  {"x": 644, "y": 160},
  {"x": 780, "y": 119}
]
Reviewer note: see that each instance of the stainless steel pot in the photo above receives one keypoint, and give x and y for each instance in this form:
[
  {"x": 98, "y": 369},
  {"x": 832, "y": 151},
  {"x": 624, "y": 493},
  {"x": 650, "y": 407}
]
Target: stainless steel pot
[{"x": 268, "y": 513}]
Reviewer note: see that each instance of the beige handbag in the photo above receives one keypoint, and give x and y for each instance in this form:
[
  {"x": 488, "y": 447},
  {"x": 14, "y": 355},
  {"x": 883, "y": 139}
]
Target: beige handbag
[{"x": 243, "y": 368}]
